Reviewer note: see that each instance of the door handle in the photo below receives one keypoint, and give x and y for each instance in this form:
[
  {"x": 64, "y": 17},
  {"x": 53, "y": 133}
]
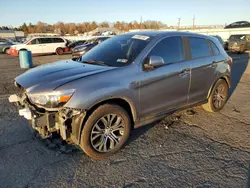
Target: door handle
[{"x": 184, "y": 72}]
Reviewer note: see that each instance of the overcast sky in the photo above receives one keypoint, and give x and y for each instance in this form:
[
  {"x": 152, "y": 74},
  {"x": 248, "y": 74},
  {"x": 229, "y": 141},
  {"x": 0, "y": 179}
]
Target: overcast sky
[{"x": 207, "y": 12}]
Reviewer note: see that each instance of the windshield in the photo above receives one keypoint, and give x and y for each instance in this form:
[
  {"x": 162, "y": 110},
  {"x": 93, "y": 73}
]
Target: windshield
[
  {"x": 237, "y": 37},
  {"x": 118, "y": 51}
]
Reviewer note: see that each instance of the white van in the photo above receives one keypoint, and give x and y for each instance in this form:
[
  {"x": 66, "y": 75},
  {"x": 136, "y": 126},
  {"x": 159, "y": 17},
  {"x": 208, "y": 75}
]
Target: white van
[{"x": 41, "y": 45}]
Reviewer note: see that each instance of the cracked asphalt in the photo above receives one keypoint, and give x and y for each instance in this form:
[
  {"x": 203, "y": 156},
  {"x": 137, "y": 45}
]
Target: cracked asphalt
[{"x": 191, "y": 148}]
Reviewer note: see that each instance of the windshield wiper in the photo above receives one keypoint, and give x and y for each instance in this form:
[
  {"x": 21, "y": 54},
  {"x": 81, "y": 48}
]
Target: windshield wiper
[{"x": 95, "y": 62}]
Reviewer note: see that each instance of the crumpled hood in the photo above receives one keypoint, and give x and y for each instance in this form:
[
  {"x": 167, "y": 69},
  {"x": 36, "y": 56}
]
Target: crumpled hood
[{"x": 50, "y": 76}]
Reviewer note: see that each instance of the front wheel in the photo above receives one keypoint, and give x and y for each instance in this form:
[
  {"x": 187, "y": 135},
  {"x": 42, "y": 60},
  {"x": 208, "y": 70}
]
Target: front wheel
[
  {"x": 106, "y": 131},
  {"x": 218, "y": 97}
]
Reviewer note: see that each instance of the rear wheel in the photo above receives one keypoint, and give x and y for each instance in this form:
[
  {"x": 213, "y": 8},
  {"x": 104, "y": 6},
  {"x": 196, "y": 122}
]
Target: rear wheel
[
  {"x": 218, "y": 97},
  {"x": 106, "y": 131},
  {"x": 7, "y": 51},
  {"x": 59, "y": 51}
]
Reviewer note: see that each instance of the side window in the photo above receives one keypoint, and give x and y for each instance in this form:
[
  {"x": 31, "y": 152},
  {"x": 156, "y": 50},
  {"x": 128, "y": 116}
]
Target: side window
[
  {"x": 3, "y": 41},
  {"x": 46, "y": 40},
  {"x": 170, "y": 49},
  {"x": 199, "y": 47},
  {"x": 58, "y": 40},
  {"x": 214, "y": 48},
  {"x": 35, "y": 41}
]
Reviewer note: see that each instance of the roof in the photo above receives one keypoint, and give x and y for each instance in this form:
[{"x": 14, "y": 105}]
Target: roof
[{"x": 165, "y": 33}]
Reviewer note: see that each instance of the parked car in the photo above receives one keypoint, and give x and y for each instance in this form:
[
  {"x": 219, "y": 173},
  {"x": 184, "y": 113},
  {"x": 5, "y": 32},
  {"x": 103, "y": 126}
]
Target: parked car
[
  {"x": 42, "y": 45},
  {"x": 78, "y": 51},
  {"x": 123, "y": 83},
  {"x": 240, "y": 24},
  {"x": 5, "y": 45},
  {"x": 239, "y": 43},
  {"x": 73, "y": 44},
  {"x": 223, "y": 44}
]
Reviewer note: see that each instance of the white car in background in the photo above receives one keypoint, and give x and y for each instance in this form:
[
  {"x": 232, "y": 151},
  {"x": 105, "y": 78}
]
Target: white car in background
[{"x": 41, "y": 45}]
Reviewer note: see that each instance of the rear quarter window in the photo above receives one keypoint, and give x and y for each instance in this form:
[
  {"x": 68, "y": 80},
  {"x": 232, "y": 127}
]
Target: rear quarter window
[
  {"x": 58, "y": 40},
  {"x": 199, "y": 47},
  {"x": 214, "y": 48}
]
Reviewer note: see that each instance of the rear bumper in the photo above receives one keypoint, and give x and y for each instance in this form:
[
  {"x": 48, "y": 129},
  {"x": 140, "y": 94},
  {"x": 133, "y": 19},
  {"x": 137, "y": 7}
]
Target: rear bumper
[{"x": 236, "y": 49}]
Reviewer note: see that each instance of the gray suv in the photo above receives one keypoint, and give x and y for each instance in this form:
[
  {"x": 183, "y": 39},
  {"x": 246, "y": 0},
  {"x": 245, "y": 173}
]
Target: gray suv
[{"x": 125, "y": 82}]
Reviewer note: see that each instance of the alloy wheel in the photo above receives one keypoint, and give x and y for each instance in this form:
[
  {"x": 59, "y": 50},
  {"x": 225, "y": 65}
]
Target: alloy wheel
[{"x": 107, "y": 132}]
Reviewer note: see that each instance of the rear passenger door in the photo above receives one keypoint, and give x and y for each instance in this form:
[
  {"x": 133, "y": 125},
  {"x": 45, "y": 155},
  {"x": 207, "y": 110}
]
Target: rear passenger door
[{"x": 203, "y": 65}]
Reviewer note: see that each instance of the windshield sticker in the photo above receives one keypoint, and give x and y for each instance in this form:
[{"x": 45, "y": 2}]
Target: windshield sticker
[
  {"x": 122, "y": 60},
  {"x": 140, "y": 37}
]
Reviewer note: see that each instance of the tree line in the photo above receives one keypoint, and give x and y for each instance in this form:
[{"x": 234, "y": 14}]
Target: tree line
[{"x": 75, "y": 28}]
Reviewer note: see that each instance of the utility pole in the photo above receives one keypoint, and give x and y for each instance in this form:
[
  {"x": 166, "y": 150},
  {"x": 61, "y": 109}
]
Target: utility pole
[
  {"x": 179, "y": 23},
  {"x": 193, "y": 22}
]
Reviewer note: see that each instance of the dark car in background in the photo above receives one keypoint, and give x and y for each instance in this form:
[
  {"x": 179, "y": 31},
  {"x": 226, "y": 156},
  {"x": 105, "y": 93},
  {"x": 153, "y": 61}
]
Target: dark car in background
[
  {"x": 5, "y": 45},
  {"x": 123, "y": 83},
  {"x": 239, "y": 24},
  {"x": 78, "y": 51},
  {"x": 239, "y": 43},
  {"x": 73, "y": 44},
  {"x": 220, "y": 40}
]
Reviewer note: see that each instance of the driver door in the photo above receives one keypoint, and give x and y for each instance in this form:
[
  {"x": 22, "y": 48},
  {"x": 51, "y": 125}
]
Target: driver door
[{"x": 165, "y": 88}]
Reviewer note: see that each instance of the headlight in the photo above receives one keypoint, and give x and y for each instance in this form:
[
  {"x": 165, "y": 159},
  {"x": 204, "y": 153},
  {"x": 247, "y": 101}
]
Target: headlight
[{"x": 52, "y": 99}]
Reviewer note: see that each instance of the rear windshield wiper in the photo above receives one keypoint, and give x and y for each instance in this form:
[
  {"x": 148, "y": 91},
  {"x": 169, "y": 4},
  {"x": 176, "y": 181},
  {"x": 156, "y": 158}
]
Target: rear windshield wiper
[{"x": 95, "y": 62}]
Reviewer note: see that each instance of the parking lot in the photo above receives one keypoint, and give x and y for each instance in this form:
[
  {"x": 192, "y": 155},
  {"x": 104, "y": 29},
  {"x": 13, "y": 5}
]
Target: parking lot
[{"x": 192, "y": 148}]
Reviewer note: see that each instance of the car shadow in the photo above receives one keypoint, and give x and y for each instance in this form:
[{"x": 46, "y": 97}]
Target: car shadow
[
  {"x": 136, "y": 133},
  {"x": 240, "y": 63}
]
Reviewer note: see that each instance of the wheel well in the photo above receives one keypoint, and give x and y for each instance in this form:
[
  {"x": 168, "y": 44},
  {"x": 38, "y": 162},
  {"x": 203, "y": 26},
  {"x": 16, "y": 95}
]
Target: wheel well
[
  {"x": 23, "y": 49},
  {"x": 6, "y": 48},
  {"x": 120, "y": 102},
  {"x": 226, "y": 78}
]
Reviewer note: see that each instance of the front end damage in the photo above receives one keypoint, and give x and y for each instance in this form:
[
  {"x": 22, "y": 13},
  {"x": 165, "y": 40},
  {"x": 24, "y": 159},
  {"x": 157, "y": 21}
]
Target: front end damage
[{"x": 47, "y": 122}]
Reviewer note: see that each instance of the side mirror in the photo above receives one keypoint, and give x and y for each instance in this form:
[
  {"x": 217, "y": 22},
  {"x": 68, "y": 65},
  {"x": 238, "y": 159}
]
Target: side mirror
[
  {"x": 29, "y": 43},
  {"x": 154, "y": 62}
]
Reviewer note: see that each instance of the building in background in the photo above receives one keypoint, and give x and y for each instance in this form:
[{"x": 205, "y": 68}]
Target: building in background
[{"x": 11, "y": 34}]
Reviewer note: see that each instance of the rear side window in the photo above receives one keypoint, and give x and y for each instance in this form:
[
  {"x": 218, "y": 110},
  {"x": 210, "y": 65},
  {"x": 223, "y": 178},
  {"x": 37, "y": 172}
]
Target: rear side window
[
  {"x": 58, "y": 40},
  {"x": 46, "y": 40},
  {"x": 214, "y": 48},
  {"x": 199, "y": 47},
  {"x": 170, "y": 49}
]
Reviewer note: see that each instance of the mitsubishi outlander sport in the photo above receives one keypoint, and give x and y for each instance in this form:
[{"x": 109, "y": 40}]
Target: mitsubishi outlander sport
[{"x": 123, "y": 83}]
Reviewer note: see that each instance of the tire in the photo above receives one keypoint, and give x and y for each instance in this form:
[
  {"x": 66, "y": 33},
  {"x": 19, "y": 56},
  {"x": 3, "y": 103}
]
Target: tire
[
  {"x": 218, "y": 97},
  {"x": 7, "y": 51},
  {"x": 59, "y": 51},
  {"x": 91, "y": 145}
]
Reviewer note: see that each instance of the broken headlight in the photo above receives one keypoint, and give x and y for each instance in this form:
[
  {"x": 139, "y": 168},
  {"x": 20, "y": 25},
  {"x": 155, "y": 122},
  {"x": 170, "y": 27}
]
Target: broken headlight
[{"x": 51, "y": 99}]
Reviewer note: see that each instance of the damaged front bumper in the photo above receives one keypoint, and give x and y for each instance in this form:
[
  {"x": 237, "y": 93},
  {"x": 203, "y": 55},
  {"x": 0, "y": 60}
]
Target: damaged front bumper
[{"x": 64, "y": 121}]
